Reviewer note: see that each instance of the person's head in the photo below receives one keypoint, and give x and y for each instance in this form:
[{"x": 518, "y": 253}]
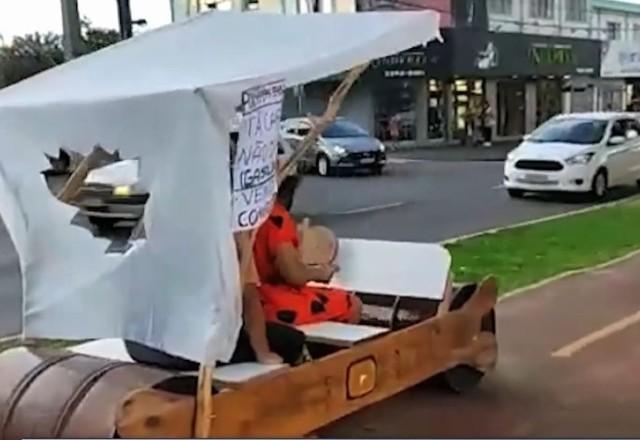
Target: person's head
[{"x": 287, "y": 190}]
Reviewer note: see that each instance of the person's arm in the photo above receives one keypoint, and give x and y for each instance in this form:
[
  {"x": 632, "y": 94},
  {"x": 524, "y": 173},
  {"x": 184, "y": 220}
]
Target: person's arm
[
  {"x": 295, "y": 272},
  {"x": 253, "y": 318},
  {"x": 256, "y": 325}
]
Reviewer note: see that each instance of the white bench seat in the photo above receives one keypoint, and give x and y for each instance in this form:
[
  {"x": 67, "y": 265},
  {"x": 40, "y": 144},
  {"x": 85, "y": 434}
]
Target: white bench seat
[
  {"x": 234, "y": 374},
  {"x": 413, "y": 270},
  {"x": 339, "y": 334},
  {"x": 109, "y": 348}
]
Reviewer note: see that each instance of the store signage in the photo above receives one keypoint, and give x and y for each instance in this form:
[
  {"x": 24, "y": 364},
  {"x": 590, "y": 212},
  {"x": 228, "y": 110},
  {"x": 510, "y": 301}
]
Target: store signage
[
  {"x": 402, "y": 59},
  {"x": 558, "y": 55},
  {"x": 403, "y": 65},
  {"x": 620, "y": 60},
  {"x": 404, "y": 73}
]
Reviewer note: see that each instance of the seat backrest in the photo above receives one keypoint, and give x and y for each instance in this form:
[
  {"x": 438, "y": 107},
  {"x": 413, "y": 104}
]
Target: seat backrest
[{"x": 415, "y": 270}]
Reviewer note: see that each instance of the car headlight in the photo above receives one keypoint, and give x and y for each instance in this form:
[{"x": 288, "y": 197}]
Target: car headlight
[
  {"x": 580, "y": 159},
  {"x": 511, "y": 156},
  {"x": 123, "y": 190},
  {"x": 382, "y": 147},
  {"x": 339, "y": 150}
]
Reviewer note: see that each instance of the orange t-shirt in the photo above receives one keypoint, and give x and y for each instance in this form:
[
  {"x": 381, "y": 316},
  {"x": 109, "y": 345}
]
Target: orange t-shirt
[{"x": 278, "y": 229}]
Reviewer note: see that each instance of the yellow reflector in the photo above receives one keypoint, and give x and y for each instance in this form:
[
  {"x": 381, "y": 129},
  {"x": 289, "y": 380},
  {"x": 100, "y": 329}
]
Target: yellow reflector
[{"x": 361, "y": 378}]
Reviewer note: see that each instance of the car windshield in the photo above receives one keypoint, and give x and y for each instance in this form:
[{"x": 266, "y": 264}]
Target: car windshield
[
  {"x": 342, "y": 129},
  {"x": 571, "y": 131}
]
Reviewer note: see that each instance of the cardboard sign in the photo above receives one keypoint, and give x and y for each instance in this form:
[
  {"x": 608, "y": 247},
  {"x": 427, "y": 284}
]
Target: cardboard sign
[{"x": 254, "y": 175}]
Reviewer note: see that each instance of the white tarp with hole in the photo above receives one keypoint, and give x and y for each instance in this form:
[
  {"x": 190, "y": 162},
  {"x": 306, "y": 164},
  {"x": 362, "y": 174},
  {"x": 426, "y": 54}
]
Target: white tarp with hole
[{"x": 166, "y": 98}]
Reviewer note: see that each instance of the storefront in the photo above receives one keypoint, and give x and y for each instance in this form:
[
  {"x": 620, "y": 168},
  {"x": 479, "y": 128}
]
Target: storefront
[
  {"x": 434, "y": 94},
  {"x": 526, "y": 78},
  {"x": 620, "y": 72},
  {"x": 409, "y": 102}
]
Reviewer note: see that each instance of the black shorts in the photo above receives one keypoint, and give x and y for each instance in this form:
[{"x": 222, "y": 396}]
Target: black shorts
[{"x": 284, "y": 340}]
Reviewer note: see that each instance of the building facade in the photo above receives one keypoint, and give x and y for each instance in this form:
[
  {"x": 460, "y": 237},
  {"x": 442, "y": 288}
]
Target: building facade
[{"x": 527, "y": 59}]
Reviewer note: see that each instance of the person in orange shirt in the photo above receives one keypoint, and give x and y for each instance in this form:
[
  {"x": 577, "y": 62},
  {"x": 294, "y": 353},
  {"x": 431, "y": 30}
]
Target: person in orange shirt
[{"x": 284, "y": 277}]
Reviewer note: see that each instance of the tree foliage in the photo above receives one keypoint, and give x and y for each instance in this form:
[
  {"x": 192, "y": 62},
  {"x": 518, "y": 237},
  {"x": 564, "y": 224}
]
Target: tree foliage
[{"x": 33, "y": 53}]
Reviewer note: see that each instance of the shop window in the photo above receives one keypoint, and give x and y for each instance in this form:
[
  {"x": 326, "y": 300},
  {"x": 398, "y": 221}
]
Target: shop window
[
  {"x": 435, "y": 110},
  {"x": 549, "y": 99},
  {"x": 636, "y": 32},
  {"x": 395, "y": 111},
  {"x": 500, "y": 7},
  {"x": 576, "y": 11},
  {"x": 613, "y": 30},
  {"x": 467, "y": 101},
  {"x": 510, "y": 112},
  {"x": 542, "y": 9}
]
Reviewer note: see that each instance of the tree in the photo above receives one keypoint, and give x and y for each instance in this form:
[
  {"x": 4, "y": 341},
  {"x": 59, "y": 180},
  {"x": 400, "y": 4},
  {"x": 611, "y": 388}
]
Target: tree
[
  {"x": 97, "y": 38},
  {"x": 29, "y": 55},
  {"x": 33, "y": 53}
]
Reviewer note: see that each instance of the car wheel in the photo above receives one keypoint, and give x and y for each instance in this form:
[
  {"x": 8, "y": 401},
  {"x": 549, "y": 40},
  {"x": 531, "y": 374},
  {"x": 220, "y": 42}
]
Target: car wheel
[
  {"x": 377, "y": 170},
  {"x": 323, "y": 166},
  {"x": 515, "y": 193},
  {"x": 600, "y": 185}
]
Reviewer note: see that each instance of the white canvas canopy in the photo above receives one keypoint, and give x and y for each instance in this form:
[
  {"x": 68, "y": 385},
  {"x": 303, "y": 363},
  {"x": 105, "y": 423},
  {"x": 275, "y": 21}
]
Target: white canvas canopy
[{"x": 165, "y": 98}]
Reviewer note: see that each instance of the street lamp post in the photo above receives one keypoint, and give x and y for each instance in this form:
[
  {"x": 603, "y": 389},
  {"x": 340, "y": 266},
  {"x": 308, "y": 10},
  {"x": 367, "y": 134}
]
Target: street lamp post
[
  {"x": 124, "y": 18},
  {"x": 72, "y": 39}
]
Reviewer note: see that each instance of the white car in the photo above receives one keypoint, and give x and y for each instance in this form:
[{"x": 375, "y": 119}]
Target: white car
[{"x": 578, "y": 153}]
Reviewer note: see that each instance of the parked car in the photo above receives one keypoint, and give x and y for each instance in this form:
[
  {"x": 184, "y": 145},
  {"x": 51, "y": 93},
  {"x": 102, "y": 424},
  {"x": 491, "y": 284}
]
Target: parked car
[
  {"x": 578, "y": 153},
  {"x": 344, "y": 145}
]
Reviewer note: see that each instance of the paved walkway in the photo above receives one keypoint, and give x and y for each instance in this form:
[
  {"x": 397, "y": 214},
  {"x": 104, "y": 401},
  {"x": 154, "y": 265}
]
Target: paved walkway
[{"x": 568, "y": 367}]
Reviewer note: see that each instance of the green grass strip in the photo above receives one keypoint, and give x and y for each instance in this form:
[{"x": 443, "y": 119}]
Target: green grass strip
[
  {"x": 50, "y": 343},
  {"x": 528, "y": 254}
]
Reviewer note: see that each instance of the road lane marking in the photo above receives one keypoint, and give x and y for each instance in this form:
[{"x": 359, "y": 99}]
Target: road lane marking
[
  {"x": 572, "y": 348},
  {"x": 501, "y": 186},
  {"x": 399, "y": 161},
  {"x": 371, "y": 208}
]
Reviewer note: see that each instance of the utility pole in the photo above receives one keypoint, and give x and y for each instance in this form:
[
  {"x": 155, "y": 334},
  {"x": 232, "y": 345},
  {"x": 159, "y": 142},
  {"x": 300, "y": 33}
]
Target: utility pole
[
  {"x": 72, "y": 38},
  {"x": 124, "y": 17}
]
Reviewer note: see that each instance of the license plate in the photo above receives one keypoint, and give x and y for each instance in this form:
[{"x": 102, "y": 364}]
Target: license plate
[
  {"x": 367, "y": 160},
  {"x": 535, "y": 178}
]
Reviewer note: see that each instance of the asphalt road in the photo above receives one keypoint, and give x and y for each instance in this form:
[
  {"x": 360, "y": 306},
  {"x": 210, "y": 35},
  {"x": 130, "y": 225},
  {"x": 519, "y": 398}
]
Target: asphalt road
[
  {"x": 567, "y": 367},
  {"x": 415, "y": 200}
]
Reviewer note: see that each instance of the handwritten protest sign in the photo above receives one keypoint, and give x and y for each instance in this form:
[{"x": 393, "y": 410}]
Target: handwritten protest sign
[{"x": 254, "y": 175}]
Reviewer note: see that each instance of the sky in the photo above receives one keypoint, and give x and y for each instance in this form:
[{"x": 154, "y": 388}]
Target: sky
[{"x": 19, "y": 17}]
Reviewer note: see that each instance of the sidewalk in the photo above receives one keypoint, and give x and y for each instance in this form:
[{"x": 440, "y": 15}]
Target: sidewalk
[
  {"x": 454, "y": 152},
  {"x": 567, "y": 367}
]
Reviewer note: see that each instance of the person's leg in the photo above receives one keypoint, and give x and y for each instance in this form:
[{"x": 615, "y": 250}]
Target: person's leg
[
  {"x": 243, "y": 351},
  {"x": 144, "y": 354},
  {"x": 286, "y": 341}
]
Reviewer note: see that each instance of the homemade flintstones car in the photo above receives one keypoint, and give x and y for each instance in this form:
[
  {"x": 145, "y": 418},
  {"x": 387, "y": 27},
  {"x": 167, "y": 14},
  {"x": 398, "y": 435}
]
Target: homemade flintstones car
[
  {"x": 176, "y": 287},
  {"x": 95, "y": 389}
]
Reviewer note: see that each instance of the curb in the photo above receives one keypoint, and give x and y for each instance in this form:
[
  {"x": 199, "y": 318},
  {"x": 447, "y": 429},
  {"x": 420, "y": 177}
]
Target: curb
[
  {"x": 568, "y": 274},
  {"x": 8, "y": 339},
  {"x": 539, "y": 220}
]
